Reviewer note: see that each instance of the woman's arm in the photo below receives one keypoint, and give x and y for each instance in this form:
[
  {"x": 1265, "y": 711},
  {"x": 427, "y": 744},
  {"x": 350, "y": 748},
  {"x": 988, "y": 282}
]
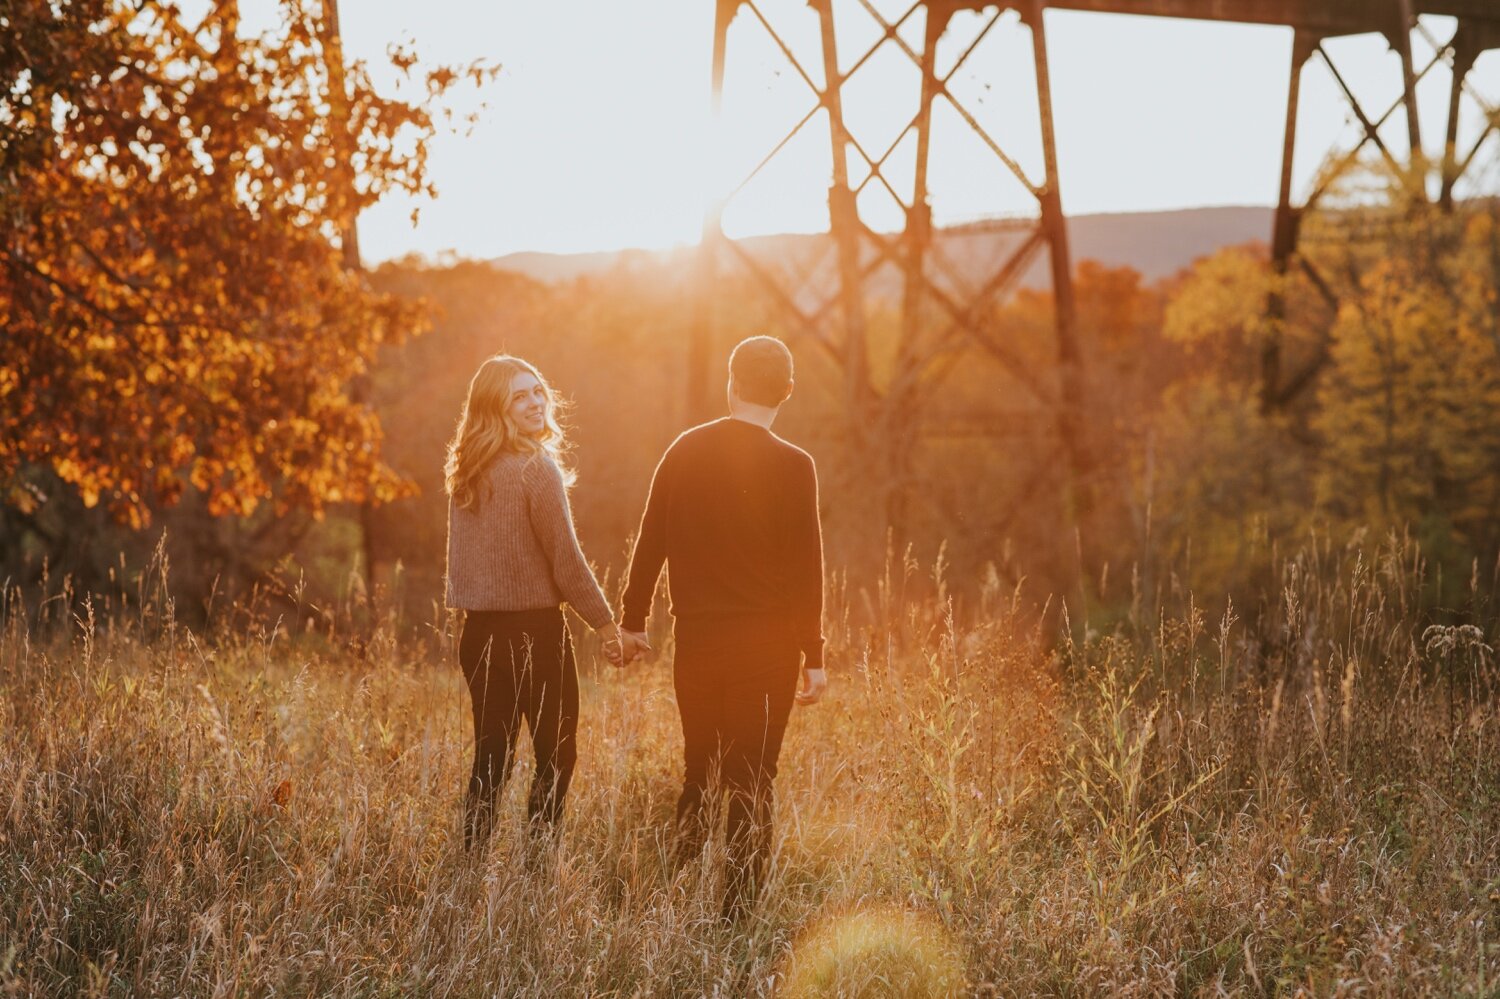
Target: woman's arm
[{"x": 552, "y": 522}]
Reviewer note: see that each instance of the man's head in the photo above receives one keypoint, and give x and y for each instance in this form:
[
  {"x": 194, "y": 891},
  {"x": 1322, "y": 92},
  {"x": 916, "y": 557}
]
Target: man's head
[{"x": 760, "y": 372}]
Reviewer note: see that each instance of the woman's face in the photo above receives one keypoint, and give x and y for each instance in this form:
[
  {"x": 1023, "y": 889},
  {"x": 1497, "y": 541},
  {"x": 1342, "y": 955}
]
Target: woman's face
[{"x": 527, "y": 407}]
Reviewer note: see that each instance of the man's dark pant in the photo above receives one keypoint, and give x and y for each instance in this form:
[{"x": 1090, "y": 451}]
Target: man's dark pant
[
  {"x": 734, "y": 705},
  {"x": 519, "y": 666}
]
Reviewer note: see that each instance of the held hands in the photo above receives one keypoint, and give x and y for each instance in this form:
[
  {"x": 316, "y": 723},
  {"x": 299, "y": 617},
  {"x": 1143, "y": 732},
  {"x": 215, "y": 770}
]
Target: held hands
[{"x": 623, "y": 647}]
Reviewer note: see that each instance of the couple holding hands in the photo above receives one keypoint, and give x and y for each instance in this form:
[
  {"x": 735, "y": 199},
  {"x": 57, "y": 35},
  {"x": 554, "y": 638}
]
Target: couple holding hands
[{"x": 733, "y": 512}]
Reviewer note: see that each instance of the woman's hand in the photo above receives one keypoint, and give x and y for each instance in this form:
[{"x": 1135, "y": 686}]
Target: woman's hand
[{"x": 613, "y": 649}]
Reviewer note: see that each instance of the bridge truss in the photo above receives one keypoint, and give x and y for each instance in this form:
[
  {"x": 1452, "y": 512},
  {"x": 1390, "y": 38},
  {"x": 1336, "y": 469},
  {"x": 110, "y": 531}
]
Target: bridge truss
[{"x": 940, "y": 315}]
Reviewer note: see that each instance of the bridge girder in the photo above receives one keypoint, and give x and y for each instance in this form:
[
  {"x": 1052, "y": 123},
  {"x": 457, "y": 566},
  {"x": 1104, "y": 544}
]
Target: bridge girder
[{"x": 1324, "y": 17}]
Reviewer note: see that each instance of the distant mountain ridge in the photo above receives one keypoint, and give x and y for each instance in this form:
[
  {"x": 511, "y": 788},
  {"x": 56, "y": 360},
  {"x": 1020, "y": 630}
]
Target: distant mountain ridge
[{"x": 1158, "y": 244}]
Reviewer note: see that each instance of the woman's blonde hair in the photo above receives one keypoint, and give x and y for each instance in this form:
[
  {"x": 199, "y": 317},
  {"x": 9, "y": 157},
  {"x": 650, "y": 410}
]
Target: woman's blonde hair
[{"x": 485, "y": 429}]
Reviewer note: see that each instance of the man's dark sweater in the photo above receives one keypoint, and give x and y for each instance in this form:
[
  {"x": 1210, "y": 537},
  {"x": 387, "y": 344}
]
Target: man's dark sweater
[{"x": 733, "y": 511}]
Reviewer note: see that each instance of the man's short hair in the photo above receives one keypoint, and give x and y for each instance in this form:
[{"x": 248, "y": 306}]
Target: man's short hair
[{"x": 761, "y": 367}]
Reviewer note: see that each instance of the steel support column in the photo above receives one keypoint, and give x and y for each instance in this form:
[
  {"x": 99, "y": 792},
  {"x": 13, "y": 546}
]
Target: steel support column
[
  {"x": 1463, "y": 60},
  {"x": 1285, "y": 227},
  {"x": 1469, "y": 42},
  {"x": 1401, "y": 39},
  {"x": 918, "y": 236},
  {"x": 914, "y": 314},
  {"x": 705, "y": 299},
  {"x": 843, "y": 225},
  {"x": 1070, "y": 412}
]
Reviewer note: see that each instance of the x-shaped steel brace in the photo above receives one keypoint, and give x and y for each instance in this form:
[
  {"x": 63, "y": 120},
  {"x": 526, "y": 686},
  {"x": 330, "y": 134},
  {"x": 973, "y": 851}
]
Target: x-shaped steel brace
[
  {"x": 941, "y": 88},
  {"x": 1461, "y": 59},
  {"x": 1371, "y": 128},
  {"x": 888, "y": 249}
]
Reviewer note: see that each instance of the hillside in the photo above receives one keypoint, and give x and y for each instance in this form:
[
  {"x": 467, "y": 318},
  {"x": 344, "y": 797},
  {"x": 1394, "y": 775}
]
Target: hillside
[{"x": 1155, "y": 243}]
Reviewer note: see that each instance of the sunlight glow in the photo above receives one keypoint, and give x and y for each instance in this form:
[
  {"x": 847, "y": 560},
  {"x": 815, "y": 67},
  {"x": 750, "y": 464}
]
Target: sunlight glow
[
  {"x": 874, "y": 952},
  {"x": 597, "y": 135}
]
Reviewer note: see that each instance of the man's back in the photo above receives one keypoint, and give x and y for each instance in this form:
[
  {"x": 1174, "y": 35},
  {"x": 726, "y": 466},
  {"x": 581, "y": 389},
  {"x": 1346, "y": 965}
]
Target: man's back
[{"x": 733, "y": 511}]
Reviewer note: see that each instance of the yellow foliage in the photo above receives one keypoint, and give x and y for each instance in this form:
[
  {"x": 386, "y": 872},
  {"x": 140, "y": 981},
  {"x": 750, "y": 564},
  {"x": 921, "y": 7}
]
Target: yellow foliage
[
  {"x": 1408, "y": 421},
  {"x": 1225, "y": 295}
]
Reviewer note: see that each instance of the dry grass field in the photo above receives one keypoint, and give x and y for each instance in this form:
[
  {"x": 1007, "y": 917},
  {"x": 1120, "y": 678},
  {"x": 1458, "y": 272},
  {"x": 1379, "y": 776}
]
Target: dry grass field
[{"x": 1299, "y": 797}]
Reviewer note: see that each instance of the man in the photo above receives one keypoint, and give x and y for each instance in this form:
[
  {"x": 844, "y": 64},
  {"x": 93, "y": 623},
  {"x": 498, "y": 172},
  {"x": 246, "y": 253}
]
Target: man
[{"x": 733, "y": 512}]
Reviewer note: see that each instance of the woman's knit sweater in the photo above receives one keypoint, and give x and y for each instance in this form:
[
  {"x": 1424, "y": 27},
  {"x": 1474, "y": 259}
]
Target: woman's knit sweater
[{"x": 516, "y": 550}]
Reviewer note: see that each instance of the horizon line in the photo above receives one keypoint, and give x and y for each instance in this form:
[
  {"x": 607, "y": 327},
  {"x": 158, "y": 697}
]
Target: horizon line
[{"x": 450, "y": 256}]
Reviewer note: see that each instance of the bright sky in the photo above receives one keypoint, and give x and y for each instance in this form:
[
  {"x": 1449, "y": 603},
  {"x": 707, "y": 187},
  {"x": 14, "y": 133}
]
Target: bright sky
[{"x": 597, "y": 133}]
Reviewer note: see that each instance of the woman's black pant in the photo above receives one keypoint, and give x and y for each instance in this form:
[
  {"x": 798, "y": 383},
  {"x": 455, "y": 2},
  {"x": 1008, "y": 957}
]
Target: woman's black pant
[{"x": 519, "y": 666}]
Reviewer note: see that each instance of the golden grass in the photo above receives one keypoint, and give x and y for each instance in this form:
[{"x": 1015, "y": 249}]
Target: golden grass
[{"x": 1309, "y": 802}]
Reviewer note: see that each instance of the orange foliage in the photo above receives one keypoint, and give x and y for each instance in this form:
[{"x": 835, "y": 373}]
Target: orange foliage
[{"x": 173, "y": 300}]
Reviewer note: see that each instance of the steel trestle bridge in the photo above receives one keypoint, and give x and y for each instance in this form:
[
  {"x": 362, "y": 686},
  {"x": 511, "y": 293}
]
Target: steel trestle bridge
[{"x": 936, "y": 317}]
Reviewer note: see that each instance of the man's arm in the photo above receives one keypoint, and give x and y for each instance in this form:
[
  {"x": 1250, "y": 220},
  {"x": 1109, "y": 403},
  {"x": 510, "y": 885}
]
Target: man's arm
[
  {"x": 650, "y": 551},
  {"x": 806, "y": 559}
]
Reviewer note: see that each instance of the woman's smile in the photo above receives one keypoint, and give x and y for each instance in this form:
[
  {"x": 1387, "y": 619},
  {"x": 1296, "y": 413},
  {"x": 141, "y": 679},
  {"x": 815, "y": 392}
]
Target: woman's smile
[{"x": 528, "y": 404}]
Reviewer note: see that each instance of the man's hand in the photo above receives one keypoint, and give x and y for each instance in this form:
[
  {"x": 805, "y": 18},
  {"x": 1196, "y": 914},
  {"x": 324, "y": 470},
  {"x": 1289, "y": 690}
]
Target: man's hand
[
  {"x": 814, "y": 682},
  {"x": 614, "y": 651},
  {"x": 634, "y": 646}
]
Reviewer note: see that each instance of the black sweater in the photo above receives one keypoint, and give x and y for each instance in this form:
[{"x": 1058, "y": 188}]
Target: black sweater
[{"x": 733, "y": 511}]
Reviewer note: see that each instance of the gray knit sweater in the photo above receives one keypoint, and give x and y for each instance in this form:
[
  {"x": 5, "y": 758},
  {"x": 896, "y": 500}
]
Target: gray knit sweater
[{"x": 516, "y": 550}]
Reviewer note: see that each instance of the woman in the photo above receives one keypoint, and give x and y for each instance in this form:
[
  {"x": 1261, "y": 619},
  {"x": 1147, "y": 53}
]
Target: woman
[{"x": 512, "y": 560}]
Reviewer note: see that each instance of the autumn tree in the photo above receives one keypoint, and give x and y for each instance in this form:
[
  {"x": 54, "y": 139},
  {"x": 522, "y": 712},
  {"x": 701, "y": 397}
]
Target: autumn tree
[
  {"x": 173, "y": 309},
  {"x": 1408, "y": 419}
]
